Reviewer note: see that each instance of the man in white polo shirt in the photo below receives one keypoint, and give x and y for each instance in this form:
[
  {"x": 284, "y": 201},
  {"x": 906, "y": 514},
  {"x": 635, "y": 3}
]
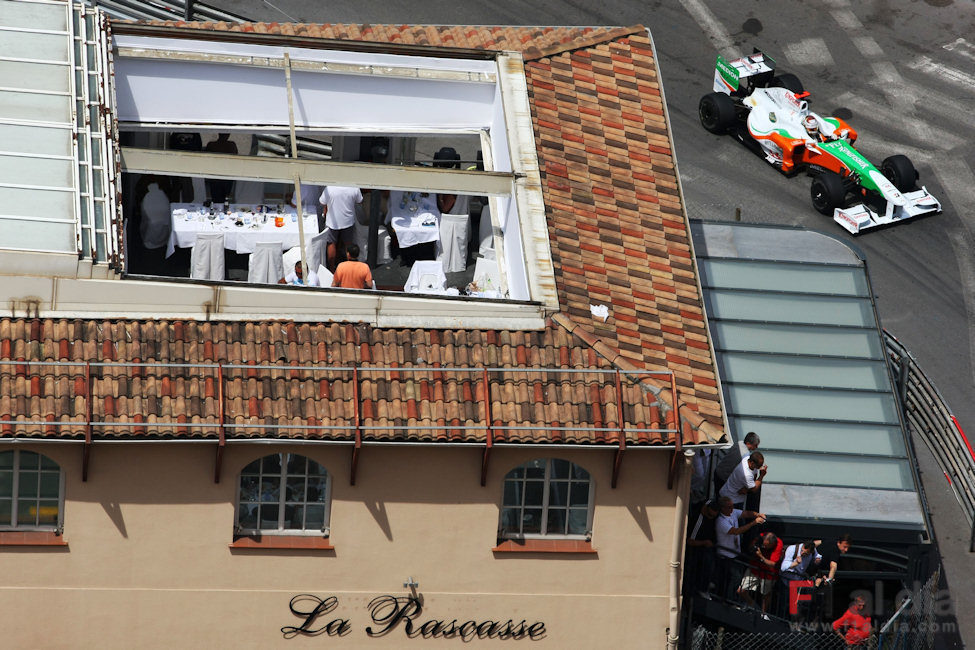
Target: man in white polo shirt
[
  {"x": 746, "y": 478},
  {"x": 339, "y": 209}
]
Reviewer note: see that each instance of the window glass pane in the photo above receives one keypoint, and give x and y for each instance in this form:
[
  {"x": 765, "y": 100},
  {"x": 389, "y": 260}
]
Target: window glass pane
[
  {"x": 560, "y": 468},
  {"x": 47, "y": 463},
  {"x": 826, "y": 437},
  {"x": 535, "y": 472},
  {"x": 556, "y": 521},
  {"x": 579, "y": 473},
  {"x": 783, "y": 308},
  {"x": 512, "y": 493},
  {"x": 510, "y": 518},
  {"x": 247, "y": 515},
  {"x": 293, "y": 516},
  {"x": 314, "y": 469},
  {"x": 740, "y": 274},
  {"x": 314, "y": 517},
  {"x": 317, "y": 491},
  {"x": 803, "y": 371},
  {"x": 5, "y": 505},
  {"x": 296, "y": 489},
  {"x": 269, "y": 516},
  {"x": 271, "y": 464},
  {"x": 48, "y": 512},
  {"x": 798, "y": 339},
  {"x": 580, "y": 494},
  {"x": 50, "y": 482},
  {"x": 558, "y": 493},
  {"x": 253, "y": 468},
  {"x": 816, "y": 404},
  {"x": 29, "y": 460},
  {"x": 518, "y": 472},
  {"x": 531, "y": 521},
  {"x": 295, "y": 464},
  {"x": 248, "y": 488},
  {"x": 27, "y": 486},
  {"x": 534, "y": 491},
  {"x": 270, "y": 489},
  {"x": 6, "y": 459},
  {"x": 577, "y": 521},
  {"x": 6, "y": 483},
  {"x": 27, "y": 513},
  {"x": 840, "y": 470}
]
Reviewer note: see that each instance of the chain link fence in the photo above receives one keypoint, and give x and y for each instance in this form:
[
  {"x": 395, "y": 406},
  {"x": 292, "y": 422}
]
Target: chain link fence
[
  {"x": 915, "y": 623},
  {"x": 721, "y": 639}
]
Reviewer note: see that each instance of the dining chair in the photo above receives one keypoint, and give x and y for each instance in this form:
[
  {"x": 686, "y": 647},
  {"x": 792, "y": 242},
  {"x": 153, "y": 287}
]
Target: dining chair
[
  {"x": 265, "y": 265},
  {"x": 454, "y": 229},
  {"x": 206, "y": 257}
]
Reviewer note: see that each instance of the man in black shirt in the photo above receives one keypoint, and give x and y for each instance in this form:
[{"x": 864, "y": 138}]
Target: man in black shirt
[
  {"x": 832, "y": 552},
  {"x": 701, "y": 541}
]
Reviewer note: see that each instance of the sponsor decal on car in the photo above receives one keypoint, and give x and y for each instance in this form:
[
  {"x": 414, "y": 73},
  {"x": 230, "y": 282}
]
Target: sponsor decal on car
[{"x": 728, "y": 72}]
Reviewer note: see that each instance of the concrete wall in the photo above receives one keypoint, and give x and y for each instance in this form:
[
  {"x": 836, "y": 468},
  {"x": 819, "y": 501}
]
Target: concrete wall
[{"x": 148, "y": 562}]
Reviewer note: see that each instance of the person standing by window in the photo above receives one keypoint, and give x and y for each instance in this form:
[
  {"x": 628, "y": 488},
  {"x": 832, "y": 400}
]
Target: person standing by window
[{"x": 220, "y": 189}]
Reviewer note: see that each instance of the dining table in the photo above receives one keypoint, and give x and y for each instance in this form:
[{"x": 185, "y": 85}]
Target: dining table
[
  {"x": 243, "y": 225},
  {"x": 414, "y": 217}
]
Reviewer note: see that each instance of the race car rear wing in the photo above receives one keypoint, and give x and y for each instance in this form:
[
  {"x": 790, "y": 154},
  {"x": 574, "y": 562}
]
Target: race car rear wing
[{"x": 757, "y": 67}]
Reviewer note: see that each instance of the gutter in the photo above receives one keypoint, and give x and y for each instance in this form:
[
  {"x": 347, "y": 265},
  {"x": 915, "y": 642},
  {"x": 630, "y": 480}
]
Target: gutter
[{"x": 677, "y": 549}]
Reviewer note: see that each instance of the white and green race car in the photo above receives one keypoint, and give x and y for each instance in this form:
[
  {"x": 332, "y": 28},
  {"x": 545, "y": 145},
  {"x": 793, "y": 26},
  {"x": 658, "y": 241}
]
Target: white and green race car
[{"x": 770, "y": 115}]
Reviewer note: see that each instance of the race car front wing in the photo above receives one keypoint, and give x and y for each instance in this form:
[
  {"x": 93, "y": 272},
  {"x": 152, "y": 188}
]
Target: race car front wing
[{"x": 860, "y": 217}]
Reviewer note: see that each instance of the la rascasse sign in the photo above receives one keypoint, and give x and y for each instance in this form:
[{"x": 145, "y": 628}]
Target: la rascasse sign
[{"x": 388, "y": 614}]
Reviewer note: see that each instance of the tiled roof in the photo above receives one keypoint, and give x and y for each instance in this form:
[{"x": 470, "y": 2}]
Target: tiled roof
[
  {"x": 280, "y": 379},
  {"x": 617, "y": 230}
]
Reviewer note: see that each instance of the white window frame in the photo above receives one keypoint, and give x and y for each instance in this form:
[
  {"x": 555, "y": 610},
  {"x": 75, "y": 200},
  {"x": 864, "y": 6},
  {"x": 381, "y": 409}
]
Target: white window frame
[
  {"x": 12, "y": 524},
  {"x": 324, "y": 531},
  {"x": 504, "y": 534}
]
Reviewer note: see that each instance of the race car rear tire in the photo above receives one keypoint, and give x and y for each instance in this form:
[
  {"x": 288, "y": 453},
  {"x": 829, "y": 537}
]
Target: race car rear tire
[
  {"x": 788, "y": 81},
  {"x": 717, "y": 112},
  {"x": 827, "y": 192},
  {"x": 900, "y": 171}
]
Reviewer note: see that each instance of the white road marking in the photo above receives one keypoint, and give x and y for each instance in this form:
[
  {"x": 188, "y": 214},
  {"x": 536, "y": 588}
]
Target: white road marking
[
  {"x": 846, "y": 18},
  {"x": 809, "y": 51},
  {"x": 712, "y": 28},
  {"x": 911, "y": 127},
  {"x": 963, "y": 47},
  {"x": 868, "y": 47},
  {"x": 951, "y": 75}
]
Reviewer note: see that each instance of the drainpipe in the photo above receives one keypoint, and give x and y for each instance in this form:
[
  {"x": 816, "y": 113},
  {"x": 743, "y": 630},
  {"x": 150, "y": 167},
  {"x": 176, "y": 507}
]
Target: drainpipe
[{"x": 677, "y": 550}]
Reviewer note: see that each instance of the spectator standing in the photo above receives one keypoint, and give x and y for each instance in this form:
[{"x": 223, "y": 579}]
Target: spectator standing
[
  {"x": 764, "y": 570},
  {"x": 831, "y": 553},
  {"x": 353, "y": 274},
  {"x": 220, "y": 189},
  {"x": 728, "y": 531},
  {"x": 339, "y": 210},
  {"x": 746, "y": 478},
  {"x": 701, "y": 542},
  {"x": 799, "y": 563},
  {"x": 731, "y": 458},
  {"x": 854, "y": 626}
]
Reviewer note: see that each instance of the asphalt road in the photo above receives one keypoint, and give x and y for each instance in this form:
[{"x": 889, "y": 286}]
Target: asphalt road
[{"x": 902, "y": 72}]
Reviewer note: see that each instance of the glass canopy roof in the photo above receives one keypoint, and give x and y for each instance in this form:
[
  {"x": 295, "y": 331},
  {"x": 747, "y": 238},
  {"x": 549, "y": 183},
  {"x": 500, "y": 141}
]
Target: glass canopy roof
[{"x": 802, "y": 364}]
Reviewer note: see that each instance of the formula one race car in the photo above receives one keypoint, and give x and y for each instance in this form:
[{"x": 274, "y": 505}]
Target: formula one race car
[{"x": 769, "y": 114}]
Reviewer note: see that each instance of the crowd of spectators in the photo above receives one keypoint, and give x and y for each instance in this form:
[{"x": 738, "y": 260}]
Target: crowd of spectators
[{"x": 733, "y": 555}]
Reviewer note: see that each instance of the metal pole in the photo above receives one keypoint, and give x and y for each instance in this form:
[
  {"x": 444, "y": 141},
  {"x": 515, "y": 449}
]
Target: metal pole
[
  {"x": 375, "y": 200},
  {"x": 188, "y": 10},
  {"x": 294, "y": 156}
]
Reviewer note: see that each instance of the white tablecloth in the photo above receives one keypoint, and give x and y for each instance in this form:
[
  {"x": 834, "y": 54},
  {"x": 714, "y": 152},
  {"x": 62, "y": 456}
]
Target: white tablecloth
[
  {"x": 411, "y": 227},
  {"x": 187, "y": 222}
]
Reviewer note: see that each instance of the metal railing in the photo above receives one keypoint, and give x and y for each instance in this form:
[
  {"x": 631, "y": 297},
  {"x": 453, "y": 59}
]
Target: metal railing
[
  {"x": 168, "y": 10},
  {"x": 930, "y": 419}
]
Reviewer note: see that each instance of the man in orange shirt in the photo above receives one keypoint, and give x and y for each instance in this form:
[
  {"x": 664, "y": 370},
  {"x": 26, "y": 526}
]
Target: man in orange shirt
[
  {"x": 353, "y": 274},
  {"x": 854, "y": 626}
]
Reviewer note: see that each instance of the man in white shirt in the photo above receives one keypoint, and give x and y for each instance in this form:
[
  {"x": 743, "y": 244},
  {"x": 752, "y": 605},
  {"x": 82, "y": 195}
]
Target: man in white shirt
[
  {"x": 746, "y": 478},
  {"x": 728, "y": 530},
  {"x": 799, "y": 563},
  {"x": 297, "y": 278},
  {"x": 339, "y": 209}
]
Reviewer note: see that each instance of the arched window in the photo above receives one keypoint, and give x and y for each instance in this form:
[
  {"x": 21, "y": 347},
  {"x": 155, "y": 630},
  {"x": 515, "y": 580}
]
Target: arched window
[
  {"x": 284, "y": 494},
  {"x": 31, "y": 491},
  {"x": 547, "y": 497}
]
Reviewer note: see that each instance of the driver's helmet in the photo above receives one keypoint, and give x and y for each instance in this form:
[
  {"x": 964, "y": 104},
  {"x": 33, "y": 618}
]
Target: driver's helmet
[{"x": 811, "y": 125}]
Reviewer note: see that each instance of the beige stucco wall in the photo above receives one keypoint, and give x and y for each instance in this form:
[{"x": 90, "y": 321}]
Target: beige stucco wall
[{"x": 148, "y": 562}]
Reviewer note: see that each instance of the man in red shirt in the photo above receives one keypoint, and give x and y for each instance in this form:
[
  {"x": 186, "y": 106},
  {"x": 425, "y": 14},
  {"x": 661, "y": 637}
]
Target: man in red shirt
[
  {"x": 353, "y": 274},
  {"x": 764, "y": 570},
  {"x": 855, "y": 624}
]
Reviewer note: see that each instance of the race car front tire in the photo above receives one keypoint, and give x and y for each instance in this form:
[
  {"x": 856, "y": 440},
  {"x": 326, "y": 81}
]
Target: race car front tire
[
  {"x": 900, "y": 171},
  {"x": 717, "y": 112},
  {"x": 788, "y": 81},
  {"x": 827, "y": 192}
]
